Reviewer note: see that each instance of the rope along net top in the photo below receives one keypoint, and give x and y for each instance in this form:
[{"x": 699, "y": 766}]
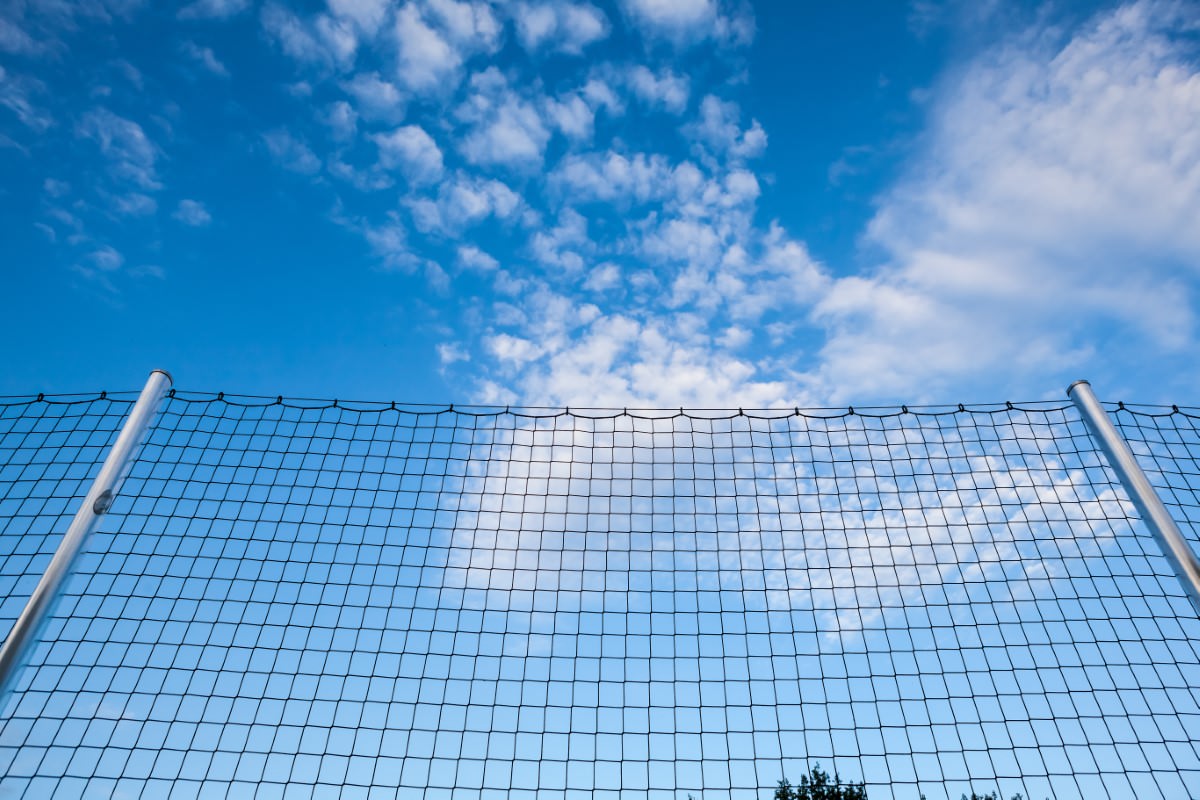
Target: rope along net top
[{"x": 319, "y": 600}]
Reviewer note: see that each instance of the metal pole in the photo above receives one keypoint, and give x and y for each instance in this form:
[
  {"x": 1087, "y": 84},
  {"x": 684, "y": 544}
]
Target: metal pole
[
  {"x": 1137, "y": 485},
  {"x": 98, "y": 500}
]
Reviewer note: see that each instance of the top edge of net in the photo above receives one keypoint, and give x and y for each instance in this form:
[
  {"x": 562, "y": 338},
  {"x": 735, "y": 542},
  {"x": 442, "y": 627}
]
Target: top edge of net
[{"x": 540, "y": 411}]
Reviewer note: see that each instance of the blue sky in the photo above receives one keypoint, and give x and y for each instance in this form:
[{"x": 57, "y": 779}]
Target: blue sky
[{"x": 639, "y": 202}]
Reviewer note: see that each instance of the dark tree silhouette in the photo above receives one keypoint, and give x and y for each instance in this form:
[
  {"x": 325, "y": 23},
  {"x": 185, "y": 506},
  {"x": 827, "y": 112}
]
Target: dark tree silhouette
[{"x": 818, "y": 786}]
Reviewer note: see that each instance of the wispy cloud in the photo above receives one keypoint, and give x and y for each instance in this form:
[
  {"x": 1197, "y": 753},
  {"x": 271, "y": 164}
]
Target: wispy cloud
[
  {"x": 17, "y": 93},
  {"x": 205, "y": 57},
  {"x": 291, "y": 153},
  {"x": 1053, "y": 195},
  {"x": 129, "y": 152},
  {"x": 193, "y": 213},
  {"x": 213, "y": 9}
]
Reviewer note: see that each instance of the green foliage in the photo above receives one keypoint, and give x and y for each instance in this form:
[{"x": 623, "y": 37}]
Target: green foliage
[{"x": 818, "y": 786}]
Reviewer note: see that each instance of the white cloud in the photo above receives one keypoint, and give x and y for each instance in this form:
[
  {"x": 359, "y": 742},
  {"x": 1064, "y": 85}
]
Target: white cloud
[
  {"x": 472, "y": 26},
  {"x": 205, "y": 57},
  {"x": 193, "y": 213},
  {"x": 56, "y": 188},
  {"x": 451, "y": 352},
  {"x": 462, "y": 201},
  {"x": 471, "y": 257},
  {"x": 426, "y": 60},
  {"x": 613, "y": 178},
  {"x": 506, "y": 129},
  {"x": 213, "y": 9},
  {"x": 689, "y": 22},
  {"x": 291, "y": 153},
  {"x": 617, "y": 360},
  {"x": 130, "y": 153},
  {"x": 1049, "y": 211},
  {"x": 435, "y": 38},
  {"x": 342, "y": 120},
  {"x": 719, "y": 129},
  {"x": 600, "y": 95},
  {"x": 413, "y": 151},
  {"x": 375, "y": 97},
  {"x": 106, "y": 258},
  {"x": 389, "y": 241},
  {"x": 561, "y": 245},
  {"x": 571, "y": 115},
  {"x": 16, "y": 92},
  {"x": 603, "y": 277},
  {"x": 367, "y": 15},
  {"x": 508, "y": 348},
  {"x": 15, "y": 40},
  {"x": 559, "y": 27},
  {"x": 321, "y": 40},
  {"x": 133, "y": 204},
  {"x": 664, "y": 89}
]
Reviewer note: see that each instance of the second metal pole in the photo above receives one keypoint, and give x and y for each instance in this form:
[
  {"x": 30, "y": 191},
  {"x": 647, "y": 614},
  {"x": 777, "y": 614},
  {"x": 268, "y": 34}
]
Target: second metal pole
[
  {"x": 1174, "y": 546},
  {"x": 95, "y": 504}
]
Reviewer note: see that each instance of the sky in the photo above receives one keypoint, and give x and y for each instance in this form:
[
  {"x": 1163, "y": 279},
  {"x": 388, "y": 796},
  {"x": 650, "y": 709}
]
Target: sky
[{"x": 638, "y": 203}]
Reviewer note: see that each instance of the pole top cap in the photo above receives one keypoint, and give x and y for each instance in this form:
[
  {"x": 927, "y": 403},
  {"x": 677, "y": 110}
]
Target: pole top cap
[
  {"x": 163, "y": 372},
  {"x": 1076, "y": 383}
]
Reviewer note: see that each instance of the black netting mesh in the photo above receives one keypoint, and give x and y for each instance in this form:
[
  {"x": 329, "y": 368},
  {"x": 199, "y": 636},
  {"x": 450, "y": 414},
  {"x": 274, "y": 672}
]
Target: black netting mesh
[{"x": 316, "y": 600}]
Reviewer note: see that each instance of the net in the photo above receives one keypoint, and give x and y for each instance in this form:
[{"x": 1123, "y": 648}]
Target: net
[{"x": 303, "y": 599}]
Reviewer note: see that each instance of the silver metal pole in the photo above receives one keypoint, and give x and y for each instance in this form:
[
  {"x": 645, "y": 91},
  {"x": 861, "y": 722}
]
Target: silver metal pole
[
  {"x": 98, "y": 500},
  {"x": 1137, "y": 485}
]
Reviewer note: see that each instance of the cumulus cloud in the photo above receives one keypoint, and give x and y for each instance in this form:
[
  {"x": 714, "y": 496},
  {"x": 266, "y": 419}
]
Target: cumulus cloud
[
  {"x": 561, "y": 245},
  {"x": 130, "y": 153},
  {"x": 613, "y": 177},
  {"x": 193, "y": 213},
  {"x": 570, "y": 115},
  {"x": 291, "y": 153},
  {"x": 106, "y": 258},
  {"x": 463, "y": 201},
  {"x": 375, "y": 97},
  {"x": 411, "y": 150},
  {"x": 662, "y": 362},
  {"x": 559, "y": 27},
  {"x": 505, "y": 128},
  {"x": 131, "y": 204},
  {"x": 690, "y": 22},
  {"x": 718, "y": 129},
  {"x": 205, "y": 57},
  {"x": 663, "y": 89},
  {"x": 213, "y": 9},
  {"x": 471, "y": 257},
  {"x": 426, "y": 58},
  {"x": 1054, "y": 195},
  {"x": 366, "y": 15},
  {"x": 342, "y": 120},
  {"x": 434, "y": 39},
  {"x": 673, "y": 332},
  {"x": 320, "y": 40}
]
